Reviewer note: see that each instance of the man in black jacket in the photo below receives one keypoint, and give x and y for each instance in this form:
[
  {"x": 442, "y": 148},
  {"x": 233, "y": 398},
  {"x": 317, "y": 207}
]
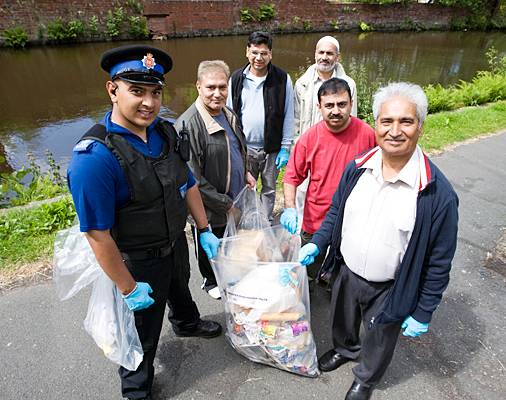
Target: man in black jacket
[{"x": 262, "y": 97}]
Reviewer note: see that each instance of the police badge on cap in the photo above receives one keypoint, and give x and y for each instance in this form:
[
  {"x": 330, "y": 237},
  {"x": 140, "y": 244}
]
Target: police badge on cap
[{"x": 137, "y": 64}]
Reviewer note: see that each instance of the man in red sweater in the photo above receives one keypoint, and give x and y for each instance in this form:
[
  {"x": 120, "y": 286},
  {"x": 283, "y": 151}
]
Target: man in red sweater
[{"x": 323, "y": 151}]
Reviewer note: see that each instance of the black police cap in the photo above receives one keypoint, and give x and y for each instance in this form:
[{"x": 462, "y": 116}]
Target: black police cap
[{"x": 137, "y": 63}]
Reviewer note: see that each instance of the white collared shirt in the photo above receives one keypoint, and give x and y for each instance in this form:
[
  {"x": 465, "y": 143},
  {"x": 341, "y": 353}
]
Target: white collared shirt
[{"x": 379, "y": 217}]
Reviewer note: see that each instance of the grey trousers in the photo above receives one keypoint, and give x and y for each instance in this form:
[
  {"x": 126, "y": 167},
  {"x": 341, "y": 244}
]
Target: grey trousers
[
  {"x": 356, "y": 300},
  {"x": 263, "y": 165}
]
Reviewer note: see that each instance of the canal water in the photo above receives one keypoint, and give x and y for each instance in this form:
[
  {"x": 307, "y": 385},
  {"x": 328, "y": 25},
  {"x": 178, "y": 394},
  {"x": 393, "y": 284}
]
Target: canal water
[{"x": 51, "y": 95}]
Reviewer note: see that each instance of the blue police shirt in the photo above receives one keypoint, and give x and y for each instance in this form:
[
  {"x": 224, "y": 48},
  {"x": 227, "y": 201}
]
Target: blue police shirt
[{"x": 97, "y": 182}]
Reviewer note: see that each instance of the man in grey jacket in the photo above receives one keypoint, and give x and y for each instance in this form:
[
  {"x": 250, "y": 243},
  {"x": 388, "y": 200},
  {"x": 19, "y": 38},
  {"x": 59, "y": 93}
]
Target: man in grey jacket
[{"x": 218, "y": 157}]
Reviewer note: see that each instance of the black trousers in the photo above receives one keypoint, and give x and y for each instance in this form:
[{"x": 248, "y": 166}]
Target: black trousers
[
  {"x": 204, "y": 265},
  {"x": 168, "y": 277},
  {"x": 356, "y": 300}
]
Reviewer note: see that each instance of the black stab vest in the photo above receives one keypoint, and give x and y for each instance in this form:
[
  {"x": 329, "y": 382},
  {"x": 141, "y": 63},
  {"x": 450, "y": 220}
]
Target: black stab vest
[
  {"x": 156, "y": 213},
  {"x": 274, "y": 93}
]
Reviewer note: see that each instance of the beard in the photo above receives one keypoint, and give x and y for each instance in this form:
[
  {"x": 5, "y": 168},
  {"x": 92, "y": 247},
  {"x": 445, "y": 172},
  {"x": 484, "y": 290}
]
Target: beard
[{"x": 325, "y": 67}]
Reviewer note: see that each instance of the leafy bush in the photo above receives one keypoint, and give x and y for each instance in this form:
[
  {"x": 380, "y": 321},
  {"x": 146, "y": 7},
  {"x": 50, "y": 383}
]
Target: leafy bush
[
  {"x": 92, "y": 27},
  {"x": 114, "y": 22},
  {"x": 364, "y": 27},
  {"x": 266, "y": 12},
  {"x": 138, "y": 27},
  {"x": 56, "y": 30},
  {"x": 75, "y": 29},
  {"x": 30, "y": 184},
  {"x": 46, "y": 218},
  {"x": 247, "y": 15},
  {"x": 15, "y": 37}
]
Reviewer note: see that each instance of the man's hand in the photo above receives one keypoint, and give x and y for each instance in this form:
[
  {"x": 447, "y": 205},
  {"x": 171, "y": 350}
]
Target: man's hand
[
  {"x": 413, "y": 328},
  {"x": 308, "y": 253},
  {"x": 282, "y": 158},
  {"x": 209, "y": 243},
  {"x": 139, "y": 299},
  {"x": 251, "y": 182},
  {"x": 289, "y": 220}
]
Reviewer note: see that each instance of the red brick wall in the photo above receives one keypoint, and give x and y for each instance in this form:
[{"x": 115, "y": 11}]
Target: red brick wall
[
  {"x": 30, "y": 14},
  {"x": 200, "y": 17},
  {"x": 197, "y": 17}
]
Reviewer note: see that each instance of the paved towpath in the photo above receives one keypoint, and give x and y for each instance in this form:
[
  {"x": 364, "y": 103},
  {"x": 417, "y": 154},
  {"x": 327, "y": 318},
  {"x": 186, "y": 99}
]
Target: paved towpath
[{"x": 45, "y": 353}]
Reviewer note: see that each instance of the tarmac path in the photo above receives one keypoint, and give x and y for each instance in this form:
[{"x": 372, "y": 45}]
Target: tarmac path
[{"x": 46, "y": 354}]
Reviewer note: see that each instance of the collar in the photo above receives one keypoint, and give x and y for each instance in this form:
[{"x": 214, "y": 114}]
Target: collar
[
  {"x": 415, "y": 173},
  {"x": 211, "y": 125},
  {"x": 112, "y": 127}
]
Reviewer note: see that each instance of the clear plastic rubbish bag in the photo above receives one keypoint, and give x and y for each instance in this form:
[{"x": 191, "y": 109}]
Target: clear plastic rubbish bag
[
  {"x": 109, "y": 321},
  {"x": 247, "y": 213},
  {"x": 75, "y": 265},
  {"x": 265, "y": 294},
  {"x": 111, "y": 324}
]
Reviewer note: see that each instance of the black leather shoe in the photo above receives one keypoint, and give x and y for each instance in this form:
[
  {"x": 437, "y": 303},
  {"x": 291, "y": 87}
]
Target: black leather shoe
[
  {"x": 331, "y": 360},
  {"x": 204, "y": 329},
  {"x": 358, "y": 391}
]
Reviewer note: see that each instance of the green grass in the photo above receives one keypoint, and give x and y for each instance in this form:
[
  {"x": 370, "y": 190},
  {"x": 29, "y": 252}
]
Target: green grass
[
  {"x": 27, "y": 235},
  {"x": 445, "y": 128}
]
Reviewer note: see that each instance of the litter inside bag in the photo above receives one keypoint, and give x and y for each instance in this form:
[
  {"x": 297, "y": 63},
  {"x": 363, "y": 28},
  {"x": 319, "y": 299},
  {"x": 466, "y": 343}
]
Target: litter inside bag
[
  {"x": 111, "y": 324},
  {"x": 265, "y": 292},
  {"x": 109, "y": 321}
]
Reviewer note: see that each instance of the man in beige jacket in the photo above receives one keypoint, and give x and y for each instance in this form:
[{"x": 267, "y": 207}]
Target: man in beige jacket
[{"x": 326, "y": 66}]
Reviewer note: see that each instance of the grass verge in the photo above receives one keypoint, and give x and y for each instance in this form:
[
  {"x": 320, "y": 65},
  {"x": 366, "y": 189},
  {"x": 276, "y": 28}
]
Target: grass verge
[
  {"x": 27, "y": 234},
  {"x": 449, "y": 127}
]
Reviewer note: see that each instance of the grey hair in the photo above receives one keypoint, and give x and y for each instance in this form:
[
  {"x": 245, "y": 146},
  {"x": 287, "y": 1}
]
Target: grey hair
[
  {"x": 206, "y": 67},
  {"x": 409, "y": 91}
]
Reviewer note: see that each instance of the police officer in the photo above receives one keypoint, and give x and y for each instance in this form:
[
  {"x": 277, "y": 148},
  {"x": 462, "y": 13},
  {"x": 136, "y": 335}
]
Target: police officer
[{"x": 132, "y": 190}]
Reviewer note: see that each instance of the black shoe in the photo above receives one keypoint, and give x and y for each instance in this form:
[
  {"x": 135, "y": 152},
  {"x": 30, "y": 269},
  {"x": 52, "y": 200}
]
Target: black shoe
[
  {"x": 139, "y": 398},
  {"x": 359, "y": 391},
  {"x": 204, "y": 329},
  {"x": 331, "y": 360}
]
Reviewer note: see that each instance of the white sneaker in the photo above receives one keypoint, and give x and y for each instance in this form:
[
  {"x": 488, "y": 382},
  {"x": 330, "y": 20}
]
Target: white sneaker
[{"x": 215, "y": 293}]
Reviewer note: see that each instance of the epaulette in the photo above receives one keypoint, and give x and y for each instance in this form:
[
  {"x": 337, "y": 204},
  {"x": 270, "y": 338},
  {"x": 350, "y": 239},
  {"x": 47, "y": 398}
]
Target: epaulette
[{"x": 83, "y": 145}]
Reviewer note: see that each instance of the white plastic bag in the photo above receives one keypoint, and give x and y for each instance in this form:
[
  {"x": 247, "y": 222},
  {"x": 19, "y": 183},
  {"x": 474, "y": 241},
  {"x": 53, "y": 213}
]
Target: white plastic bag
[
  {"x": 75, "y": 265},
  {"x": 111, "y": 324},
  {"x": 109, "y": 321}
]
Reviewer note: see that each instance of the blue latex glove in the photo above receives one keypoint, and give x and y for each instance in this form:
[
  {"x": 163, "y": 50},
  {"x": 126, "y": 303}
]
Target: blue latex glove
[
  {"x": 413, "y": 328},
  {"x": 308, "y": 253},
  {"x": 282, "y": 158},
  {"x": 139, "y": 298},
  {"x": 289, "y": 220},
  {"x": 209, "y": 243}
]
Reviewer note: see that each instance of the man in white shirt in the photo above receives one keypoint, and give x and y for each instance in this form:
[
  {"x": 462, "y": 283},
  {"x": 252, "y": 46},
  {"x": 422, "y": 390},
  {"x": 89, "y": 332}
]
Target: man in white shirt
[{"x": 392, "y": 232}]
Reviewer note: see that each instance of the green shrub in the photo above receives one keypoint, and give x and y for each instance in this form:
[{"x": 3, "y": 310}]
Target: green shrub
[
  {"x": 75, "y": 29},
  {"x": 364, "y": 27},
  {"x": 440, "y": 99},
  {"x": 92, "y": 26},
  {"x": 30, "y": 184},
  {"x": 306, "y": 25},
  {"x": 114, "y": 22},
  {"x": 138, "y": 27},
  {"x": 15, "y": 37},
  {"x": 247, "y": 15},
  {"x": 56, "y": 30},
  {"x": 266, "y": 12}
]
